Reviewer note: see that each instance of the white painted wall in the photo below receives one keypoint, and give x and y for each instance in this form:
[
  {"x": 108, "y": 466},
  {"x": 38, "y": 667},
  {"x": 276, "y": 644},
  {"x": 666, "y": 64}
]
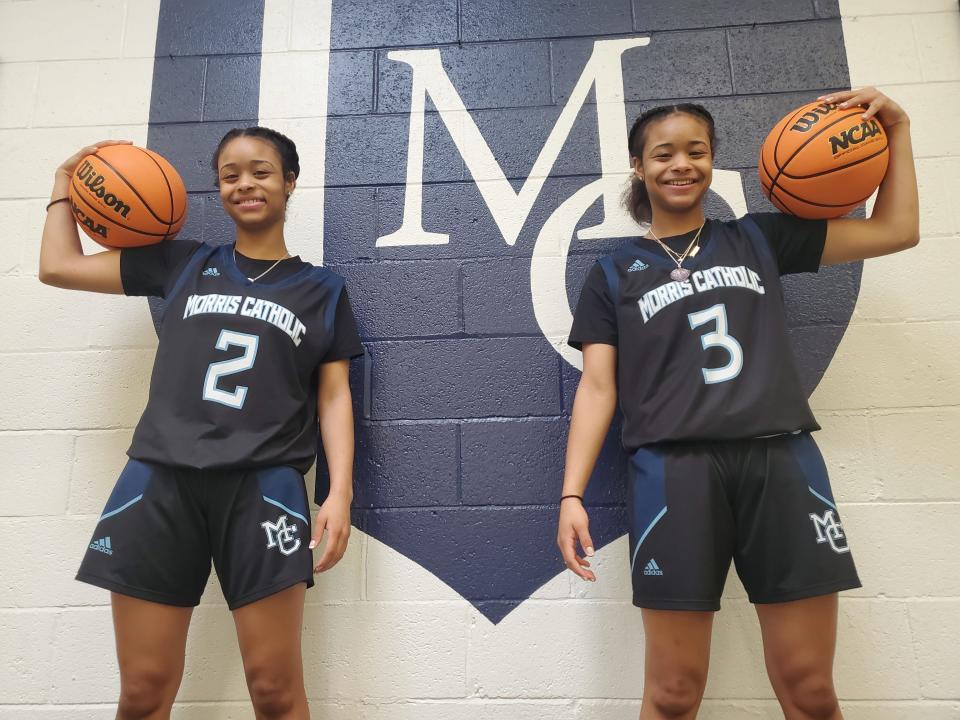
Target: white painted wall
[{"x": 385, "y": 640}]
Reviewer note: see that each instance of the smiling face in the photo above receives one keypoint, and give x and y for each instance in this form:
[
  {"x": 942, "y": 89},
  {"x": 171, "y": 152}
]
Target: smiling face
[
  {"x": 253, "y": 189},
  {"x": 676, "y": 163}
]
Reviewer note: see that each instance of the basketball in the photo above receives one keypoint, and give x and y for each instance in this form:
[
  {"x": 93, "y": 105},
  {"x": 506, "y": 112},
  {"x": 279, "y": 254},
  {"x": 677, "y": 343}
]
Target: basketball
[
  {"x": 125, "y": 196},
  {"x": 821, "y": 161}
]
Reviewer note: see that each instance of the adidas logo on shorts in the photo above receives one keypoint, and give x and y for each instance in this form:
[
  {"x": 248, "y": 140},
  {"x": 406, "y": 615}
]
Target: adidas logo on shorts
[
  {"x": 652, "y": 568},
  {"x": 211, "y": 272},
  {"x": 102, "y": 545},
  {"x": 637, "y": 266}
]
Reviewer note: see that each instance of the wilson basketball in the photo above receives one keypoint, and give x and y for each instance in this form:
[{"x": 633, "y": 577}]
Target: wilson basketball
[
  {"x": 125, "y": 196},
  {"x": 821, "y": 161}
]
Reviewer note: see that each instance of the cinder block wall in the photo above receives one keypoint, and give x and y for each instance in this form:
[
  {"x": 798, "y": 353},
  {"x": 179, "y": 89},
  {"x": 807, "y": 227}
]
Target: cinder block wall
[{"x": 385, "y": 638}]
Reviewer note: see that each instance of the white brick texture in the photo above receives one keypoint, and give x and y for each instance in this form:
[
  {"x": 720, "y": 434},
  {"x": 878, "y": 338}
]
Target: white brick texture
[
  {"x": 936, "y": 624},
  {"x": 276, "y": 26},
  {"x": 41, "y": 317},
  {"x": 91, "y": 389},
  {"x": 98, "y": 459},
  {"x": 19, "y": 81},
  {"x": 389, "y": 651},
  {"x": 140, "y": 29},
  {"x": 25, "y": 655},
  {"x": 892, "y": 62},
  {"x": 927, "y": 471},
  {"x": 55, "y": 30},
  {"x": 893, "y": 365},
  {"x": 123, "y": 92},
  {"x": 905, "y": 549},
  {"x": 33, "y": 478}
]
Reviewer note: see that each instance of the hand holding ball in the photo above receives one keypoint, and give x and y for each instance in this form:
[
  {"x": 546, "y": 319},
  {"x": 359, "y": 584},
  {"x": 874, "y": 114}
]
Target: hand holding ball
[
  {"x": 822, "y": 161},
  {"x": 125, "y": 196}
]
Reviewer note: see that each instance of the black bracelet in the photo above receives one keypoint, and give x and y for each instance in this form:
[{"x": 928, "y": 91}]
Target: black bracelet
[
  {"x": 578, "y": 497},
  {"x": 58, "y": 200}
]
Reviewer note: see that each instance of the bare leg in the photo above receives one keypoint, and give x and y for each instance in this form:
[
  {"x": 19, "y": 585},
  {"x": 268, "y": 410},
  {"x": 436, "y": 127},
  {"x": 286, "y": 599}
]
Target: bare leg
[
  {"x": 269, "y": 635},
  {"x": 677, "y": 657},
  {"x": 799, "y": 639},
  {"x": 151, "y": 639}
]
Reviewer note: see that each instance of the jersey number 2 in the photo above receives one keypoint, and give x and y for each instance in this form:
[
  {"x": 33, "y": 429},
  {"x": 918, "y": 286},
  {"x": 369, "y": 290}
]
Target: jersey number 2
[
  {"x": 217, "y": 370},
  {"x": 718, "y": 338}
]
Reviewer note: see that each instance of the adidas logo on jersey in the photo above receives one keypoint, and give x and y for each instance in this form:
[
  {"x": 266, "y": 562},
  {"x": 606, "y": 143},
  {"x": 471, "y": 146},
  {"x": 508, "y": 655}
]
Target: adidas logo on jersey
[
  {"x": 102, "y": 545},
  {"x": 652, "y": 568},
  {"x": 211, "y": 272},
  {"x": 637, "y": 266}
]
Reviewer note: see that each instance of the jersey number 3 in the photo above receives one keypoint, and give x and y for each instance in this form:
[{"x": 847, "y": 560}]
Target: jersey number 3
[
  {"x": 718, "y": 338},
  {"x": 217, "y": 370}
]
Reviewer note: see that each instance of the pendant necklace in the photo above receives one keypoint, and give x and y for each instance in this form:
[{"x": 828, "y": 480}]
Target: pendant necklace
[
  {"x": 680, "y": 273},
  {"x": 254, "y": 279}
]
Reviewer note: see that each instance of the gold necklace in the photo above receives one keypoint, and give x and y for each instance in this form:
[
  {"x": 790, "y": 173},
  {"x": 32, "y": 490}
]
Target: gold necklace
[
  {"x": 254, "y": 279},
  {"x": 680, "y": 273}
]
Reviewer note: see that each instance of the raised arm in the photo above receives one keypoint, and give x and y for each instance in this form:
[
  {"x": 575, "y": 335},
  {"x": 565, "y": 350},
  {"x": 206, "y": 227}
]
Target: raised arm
[
  {"x": 593, "y": 408},
  {"x": 62, "y": 262},
  {"x": 894, "y": 224}
]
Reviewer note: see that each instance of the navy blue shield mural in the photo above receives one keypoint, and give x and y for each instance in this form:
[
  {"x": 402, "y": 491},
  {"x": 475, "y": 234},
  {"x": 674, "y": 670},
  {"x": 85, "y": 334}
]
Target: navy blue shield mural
[{"x": 475, "y": 158}]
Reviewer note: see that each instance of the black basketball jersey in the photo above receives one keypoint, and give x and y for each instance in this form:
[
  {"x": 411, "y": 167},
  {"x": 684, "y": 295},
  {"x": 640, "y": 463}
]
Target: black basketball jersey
[
  {"x": 234, "y": 381},
  {"x": 708, "y": 357}
]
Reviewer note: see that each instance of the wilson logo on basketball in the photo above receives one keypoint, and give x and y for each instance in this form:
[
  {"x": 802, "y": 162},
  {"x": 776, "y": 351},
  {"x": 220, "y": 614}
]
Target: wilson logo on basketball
[
  {"x": 811, "y": 117},
  {"x": 813, "y": 175},
  {"x": 854, "y": 136},
  {"x": 94, "y": 182}
]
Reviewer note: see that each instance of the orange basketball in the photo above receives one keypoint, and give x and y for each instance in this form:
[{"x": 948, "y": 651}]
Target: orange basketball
[
  {"x": 821, "y": 161},
  {"x": 125, "y": 196}
]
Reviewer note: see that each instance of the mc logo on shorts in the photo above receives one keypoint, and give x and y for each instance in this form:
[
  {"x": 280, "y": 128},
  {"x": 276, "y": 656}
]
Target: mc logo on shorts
[
  {"x": 280, "y": 535},
  {"x": 829, "y": 530}
]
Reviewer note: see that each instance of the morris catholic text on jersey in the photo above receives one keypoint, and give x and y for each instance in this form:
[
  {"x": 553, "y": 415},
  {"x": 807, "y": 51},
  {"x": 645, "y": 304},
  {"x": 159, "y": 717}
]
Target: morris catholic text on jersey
[
  {"x": 707, "y": 357},
  {"x": 234, "y": 381},
  {"x": 248, "y": 306},
  {"x": 655, "y": 300}
]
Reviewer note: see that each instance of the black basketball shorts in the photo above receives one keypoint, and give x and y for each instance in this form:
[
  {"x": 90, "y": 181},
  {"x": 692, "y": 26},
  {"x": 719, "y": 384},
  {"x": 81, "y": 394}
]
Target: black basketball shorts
[
  {"x": 162, "y": 526},
  {"x": 765, "y": 502}
]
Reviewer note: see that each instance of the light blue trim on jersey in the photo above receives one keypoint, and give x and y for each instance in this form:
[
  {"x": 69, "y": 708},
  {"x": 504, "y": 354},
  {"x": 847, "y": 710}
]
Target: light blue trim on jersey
[
  {"x": 123, "y": 507},
  {"x": 633, "y": 558},
  {"x": 284, "y": 507},
  {"x": 821, "y": 497}
]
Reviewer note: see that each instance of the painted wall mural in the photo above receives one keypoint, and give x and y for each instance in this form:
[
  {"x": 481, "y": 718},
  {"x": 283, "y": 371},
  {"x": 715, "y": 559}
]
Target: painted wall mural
[{"x": 474, "y": 162}]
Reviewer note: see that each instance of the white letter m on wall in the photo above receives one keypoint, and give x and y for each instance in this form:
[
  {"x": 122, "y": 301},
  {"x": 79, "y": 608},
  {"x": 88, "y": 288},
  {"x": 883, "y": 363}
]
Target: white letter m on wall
[{"x": 508, "y": 208}]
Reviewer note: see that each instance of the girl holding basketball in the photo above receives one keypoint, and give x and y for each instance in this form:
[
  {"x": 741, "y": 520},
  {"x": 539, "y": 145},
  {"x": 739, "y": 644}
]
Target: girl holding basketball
[
  {"x": 254, "y": 347},
  {"x": 685, "y": 329}
]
